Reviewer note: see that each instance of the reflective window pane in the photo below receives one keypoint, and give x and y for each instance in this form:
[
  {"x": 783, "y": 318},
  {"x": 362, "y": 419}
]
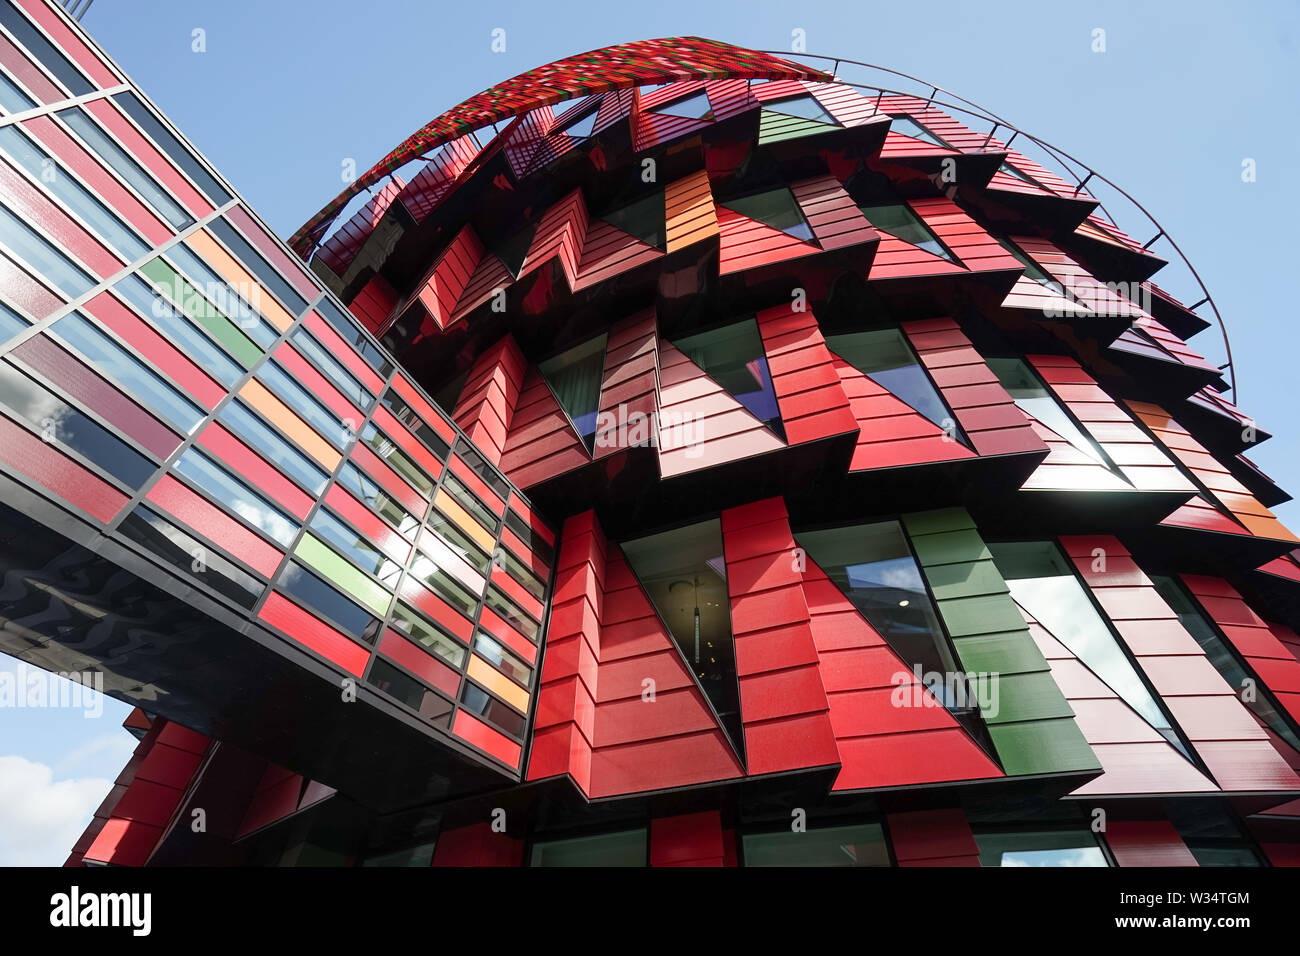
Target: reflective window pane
[
  {"x": 123, "y": 369},
  {"x": 626, "y": 848},
  {"x": 237, "y": 496},
  {"x": 1042, "y": 581},
  {"x": 873, "y": 566},
  {"x": 196, "y": 346},
  {"x": 861, "y": 845},
  {"x": 1074, "y": 847},
  {"x": 733, "y": 356},
  {"x": 135, "y": 175},
  {"x": 685, "y": 576},
  {"x": 776, "y": 208},
  {"x": 271, "y": 446},
  {"x": 574, "y": 377}
]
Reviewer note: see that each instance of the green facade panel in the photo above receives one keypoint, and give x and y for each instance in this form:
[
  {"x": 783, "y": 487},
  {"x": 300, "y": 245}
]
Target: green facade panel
[{"x": 1029, "y": 719}]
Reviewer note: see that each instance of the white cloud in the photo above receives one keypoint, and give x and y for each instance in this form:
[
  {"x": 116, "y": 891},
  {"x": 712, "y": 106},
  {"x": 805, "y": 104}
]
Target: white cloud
[
  {"x": 41, "y": 818},
  {"x": 112, "y": 750}
]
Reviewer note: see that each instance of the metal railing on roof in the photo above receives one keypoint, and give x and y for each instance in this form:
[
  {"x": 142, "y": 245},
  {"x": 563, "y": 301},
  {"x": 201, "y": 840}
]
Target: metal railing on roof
[{"x": 1076, "y": 169}]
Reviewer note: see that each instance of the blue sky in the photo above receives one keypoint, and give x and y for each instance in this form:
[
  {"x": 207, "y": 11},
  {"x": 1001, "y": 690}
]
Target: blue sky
[{"x": 285, "y": 92}]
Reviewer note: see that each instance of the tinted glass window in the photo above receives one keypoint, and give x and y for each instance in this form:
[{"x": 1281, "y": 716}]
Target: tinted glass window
[
  {"x": 1042, "y": 581},
  {"x": 733, "y": 356},
  {"x": 122, "y": 368},
  {"x": 776, "y": 208},
  {"x": 316, "y": 594},
  {"x": 574, "y": 377},
  {"x": 873, "y": 566},
  {"x": 196, "y": 346},
  {"x": 275, "y": 449},
  {"x": 1075, "y": 847},
  {"x": 41, "y": 257},
  {"x": 627, "y": 848},
  {"x": 885, "y": 357},
  {"x": 182, "y": 551},
  {"x": 862, "y": 845},
  {"x": 134, "y": 174},
  {"x": 237, "y": 496},
  {"x": 56, "y": 178},
  {"x": 684, "y": 574},
  {"x": 47, "y": 414}
]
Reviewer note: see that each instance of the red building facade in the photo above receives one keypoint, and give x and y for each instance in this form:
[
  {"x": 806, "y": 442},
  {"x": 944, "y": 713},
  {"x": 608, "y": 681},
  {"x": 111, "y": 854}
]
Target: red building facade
[{"x": 682, "y": 457}]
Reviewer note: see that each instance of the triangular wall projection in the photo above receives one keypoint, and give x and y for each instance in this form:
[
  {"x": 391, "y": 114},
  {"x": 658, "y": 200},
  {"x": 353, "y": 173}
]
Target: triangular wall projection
[
  {"x": 734, "y": 358},
  {"x": 700, "y": 424},
  {"x": 1135, "y": 757},
  {"x": 882, "y": 744}
]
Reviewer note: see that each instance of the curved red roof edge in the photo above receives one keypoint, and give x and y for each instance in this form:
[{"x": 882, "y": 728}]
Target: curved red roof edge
[{"x": 596, "y": 71}]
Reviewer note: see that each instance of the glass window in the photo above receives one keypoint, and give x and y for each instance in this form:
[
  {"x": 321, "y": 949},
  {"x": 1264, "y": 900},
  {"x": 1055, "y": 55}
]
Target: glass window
[
  {"x": 581, "y": 125},
  {"x": 494, "y": 711},
  {"x": 202, "y": 312},
  {"x": 776, "y": 208},
  {"x": 356, "y": 548},
  {"x": 646, "y": 218},
  {"x": 56, "y": 178},
  {"x": 685, "y": 577},
  {"x": 119, "y": 366},
  {"x": 521, "y": 573},
  {"x": 344, "y": 574},
  {"x": 315, "y": 593},
  {"x": 496, "y": 655},
  {"x": 425, "y": 569},
  {"x": 860, "y": 845},
  {"x": 134, "y": 174},
  {"x": 396, "y": 458},
  {"x": 469, "y": 501},
  {"x": 491, "y": 477},
  {"x": 1033, "y": 398},
  {"x": 421, "y": 429},
  {"x": 219, "y": 292},
  {"x": 626, "y": 848},
  {"x": 46, "y": 53},
  {"x": 254, "y": 263},
  {"x": 733, "y": 357},
  {"x": 428, "y": 635},
  {"x": 275, "y": 449},
  {"x": 805, "y": 107},
  {"x": 196, "y": 346},
  {"x": 173, "y": 147},
  {"x": 1074, "y": 847},
  {"x": 300, "y": 400},
  {"x": 353, "y": 335},
  {"x": 695, "y": 106},
  {"x": 1042, "y": 581},
  {"x": 1211, "y": 831},
  {"x": 574, "y": 376},
  {"x": 900, "y": 221},
  {"x": 364, "y": 487},
  {"x": 511, "y": 613},
  {"x": 535, "y": 542},
  {"x": 1223, "y": 658},
  {"x": 236, "y": 496},
  {"x": 908, "y": 126},
  {"x": 41, "y": 257},
  {"x": 325, "y": 363},
  {"x": 417, "y": 856},
  {"x": 457, "y": 540},
  {"x": 1032, "y": 268},
  {"x": 885, "y": 357},
  {"x": 12, "y": 99},
  {"x": 407, "y": 689},
  {"x": 11, "y": 323},
  {"x": 179, "y": 549},
  {"x": 872, "y": 564},
  {"x": 45, "y": 413}
]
